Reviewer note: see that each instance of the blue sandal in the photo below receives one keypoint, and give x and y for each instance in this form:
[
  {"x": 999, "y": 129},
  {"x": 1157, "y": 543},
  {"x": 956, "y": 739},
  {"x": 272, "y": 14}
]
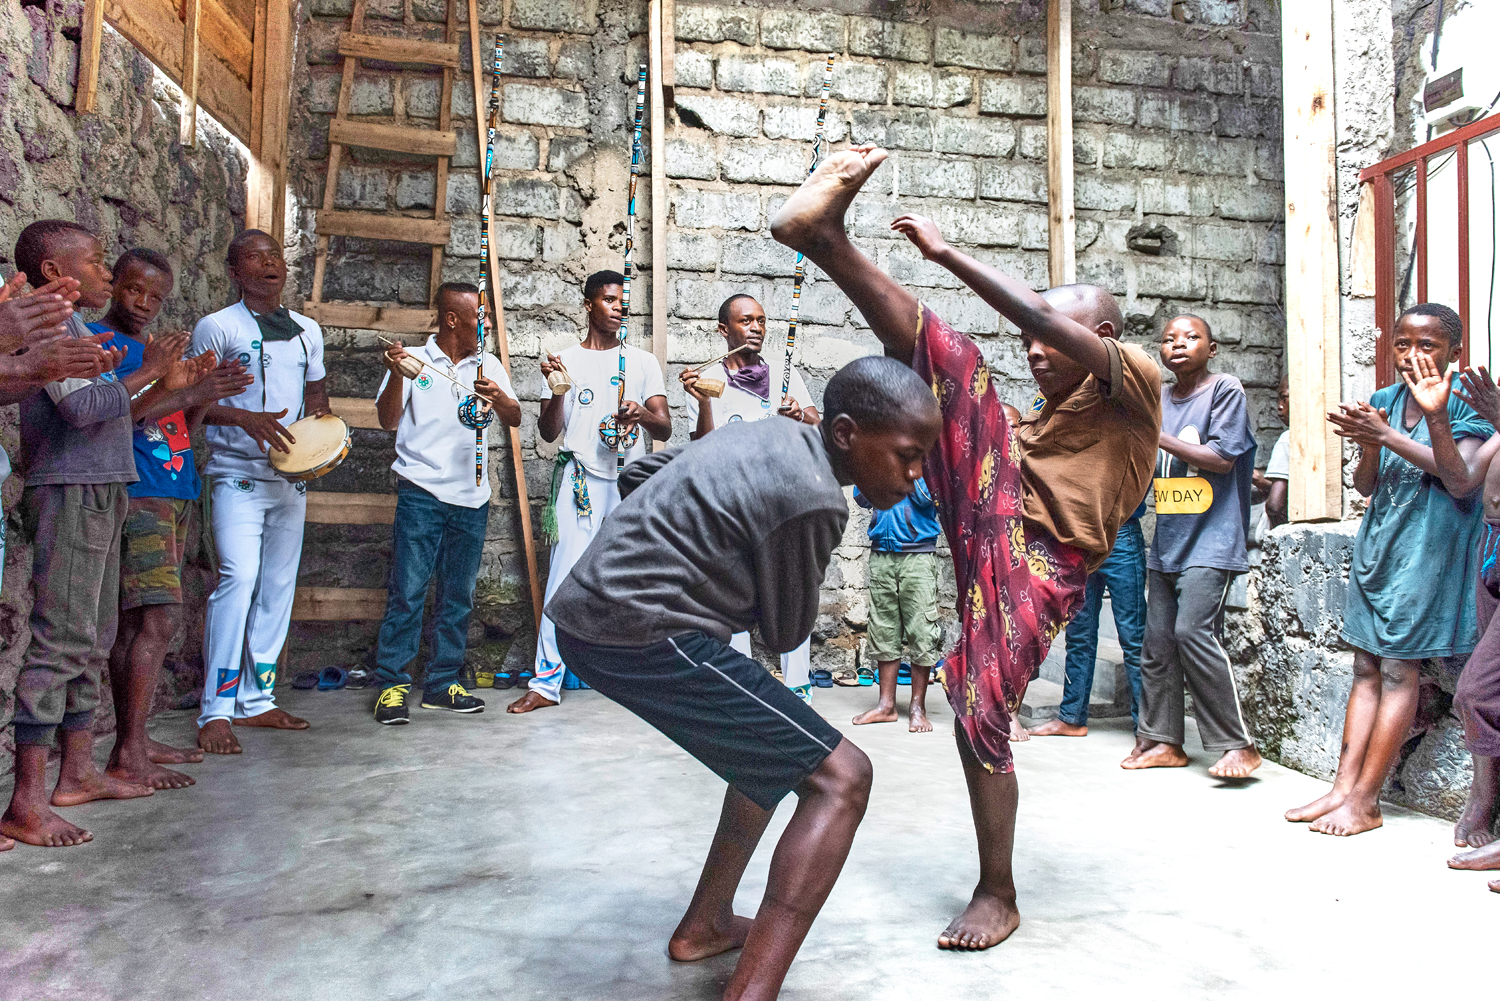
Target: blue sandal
[
  {"x": 822, "y": 678},
  {"x": 573, "y": 682},
  {"x": 903, "y": 674},
  {"x": 332, "y": 679}
]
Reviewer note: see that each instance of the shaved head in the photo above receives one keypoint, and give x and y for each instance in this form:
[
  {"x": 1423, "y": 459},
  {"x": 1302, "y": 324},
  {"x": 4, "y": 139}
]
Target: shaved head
[{"x": 1089, "y": 305}]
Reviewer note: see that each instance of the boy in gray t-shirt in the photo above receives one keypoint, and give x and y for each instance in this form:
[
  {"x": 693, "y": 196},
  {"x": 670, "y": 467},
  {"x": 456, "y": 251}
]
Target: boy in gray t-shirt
[{"x": 1202, "y": 492}]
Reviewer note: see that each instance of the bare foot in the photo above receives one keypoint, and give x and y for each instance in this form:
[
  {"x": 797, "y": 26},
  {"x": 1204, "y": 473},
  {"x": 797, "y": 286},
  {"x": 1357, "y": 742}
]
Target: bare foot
[
  {"x": 1326, "y": 803},
  {"x": 986, "y": 922},
  {"x": 1349, "y": 819},
  {"x": 1058, "y": 728},
  {"x": 880, "y": 714},
  {"x": 528, "y": 702},
  {"x": 148, "y": 773},
  {"x": 1487, "y": 857},
  {"x": 92, "y": 785},
  {"x": 1157, "y": 756},
  {"x": 166, "y": 754},
  {"x": 917, "y": 721},
  {"x": 6, "y": 844},
  {"x": 815, "y": 212},
  {"x": 1142, "y": 745},
  {"x": 688, "y": 945},
  {"x": 41, "y": 827},
  {"x": 216, "y": 737},
  {"x": 276, "y": 719},
  {"x": 1017, "y": 731},
  {"x": 1495, "y": 886},
  {"x": 1473, "y": 827},
  {"x": 1236, "y": 764}
]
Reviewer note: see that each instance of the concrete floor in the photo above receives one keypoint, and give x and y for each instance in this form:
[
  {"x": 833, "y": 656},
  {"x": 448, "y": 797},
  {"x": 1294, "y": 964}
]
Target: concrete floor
[{"x": 550, "y": 856}]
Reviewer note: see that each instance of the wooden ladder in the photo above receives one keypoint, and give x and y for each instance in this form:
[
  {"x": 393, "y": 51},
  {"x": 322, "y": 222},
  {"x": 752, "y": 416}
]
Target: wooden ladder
[{"x": 396, "y": 137}]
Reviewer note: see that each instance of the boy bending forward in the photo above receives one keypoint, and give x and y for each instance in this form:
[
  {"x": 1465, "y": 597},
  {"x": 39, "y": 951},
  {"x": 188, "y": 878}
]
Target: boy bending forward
[{"x": 1030, "y": 507}]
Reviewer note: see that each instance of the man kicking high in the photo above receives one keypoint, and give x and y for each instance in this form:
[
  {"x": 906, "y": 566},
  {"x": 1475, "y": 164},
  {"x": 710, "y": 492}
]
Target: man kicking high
[
  {"x": 1030, "y": 506},
  {"x": 647, "y": 614}
]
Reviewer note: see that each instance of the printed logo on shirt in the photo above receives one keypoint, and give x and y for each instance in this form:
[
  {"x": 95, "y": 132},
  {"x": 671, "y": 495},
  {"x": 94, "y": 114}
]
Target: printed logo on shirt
[
  {"x": 301, "y": 488},
  {"x": 614, "y": 380},
  {"x": 229, "y": 680},
  {"x": 585, "y": 397},
  {"x": 265, "y": 359},
  {"x": 423, "y": 381},
  {"x": 170, "y": 444},
  {"x": 733, "y": 418},
  {"x": 255, "y": 345},
  {"x": 1038, "y": 403},
  {"x": 1177, "y": 488},
  {"x": 244, "y": 357},
  {"x": 244, "y": 486}
]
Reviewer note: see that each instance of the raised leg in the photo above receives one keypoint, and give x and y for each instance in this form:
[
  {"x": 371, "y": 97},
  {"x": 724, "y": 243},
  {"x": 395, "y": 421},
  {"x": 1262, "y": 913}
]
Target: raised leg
[
  {"x": 134, "y": 663},
  {"x": 991, "y": 916},
  {"x": 1359, "y": 723},
  {"x": 885, "y": 709},
  {"x": 710, "y": 925},
  {"x": 807, "y": 862},
  {"x": 1360, "y": 810}
]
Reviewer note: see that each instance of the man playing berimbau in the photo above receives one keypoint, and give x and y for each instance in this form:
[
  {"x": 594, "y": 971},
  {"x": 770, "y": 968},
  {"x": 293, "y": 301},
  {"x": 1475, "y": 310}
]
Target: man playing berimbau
[{"x": 1030, "y": 504}]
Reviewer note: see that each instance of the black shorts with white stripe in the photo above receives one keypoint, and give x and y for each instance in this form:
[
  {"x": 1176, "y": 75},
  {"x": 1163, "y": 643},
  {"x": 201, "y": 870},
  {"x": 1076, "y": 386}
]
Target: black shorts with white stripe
[{"x": 715, "y": 703}]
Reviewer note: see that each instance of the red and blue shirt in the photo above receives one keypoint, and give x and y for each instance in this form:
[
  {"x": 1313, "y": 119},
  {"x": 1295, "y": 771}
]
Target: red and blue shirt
[{"x": 163, "y": 454}]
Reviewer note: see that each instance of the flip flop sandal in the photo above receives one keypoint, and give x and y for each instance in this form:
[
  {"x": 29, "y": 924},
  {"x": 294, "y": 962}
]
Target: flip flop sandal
[
  {"x": 359, "y": 677},
  {"x": 331, "y": 679},
  {"x": 822, "y": 678},
  {"x": 573, "y": 682},
  {"x": 305, "y": 681},
  {"x": 484, "y": 679},
  {"x": 846, "y": 679},
  {"x": 866, "y": 676},
  {"x": 524, "y": 676},
  {"x": 504, "y": 679},
  {"x": 903, "y": 674}
]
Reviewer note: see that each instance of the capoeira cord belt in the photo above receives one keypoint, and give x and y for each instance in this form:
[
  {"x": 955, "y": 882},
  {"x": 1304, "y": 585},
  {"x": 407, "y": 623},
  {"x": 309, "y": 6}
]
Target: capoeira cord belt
[
  {"x": 475, "y": 412},
  {"x": 817, "y": 157},
  {"x": 609, "y": 429},
  {"x": 582, "y": 507}
]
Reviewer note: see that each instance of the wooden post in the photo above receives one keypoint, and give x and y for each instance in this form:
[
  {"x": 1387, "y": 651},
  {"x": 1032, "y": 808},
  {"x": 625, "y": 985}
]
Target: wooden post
[
  {"x": 1061, "y": 256},
  {"x": 187, "y": 128},
  {"x": 1312, "y": 255},
  {"x": 270, "y": 103},
  {"x": 497, "y": 316},
  {"x": 668, "y": 50},
  {"x": 659, "y": 44},
  {"x": 86, "y": 95}
]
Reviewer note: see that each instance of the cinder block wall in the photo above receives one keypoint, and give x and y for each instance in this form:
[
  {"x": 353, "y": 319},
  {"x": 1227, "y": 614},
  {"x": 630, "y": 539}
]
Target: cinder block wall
[{"x": 1178, "y": 133}]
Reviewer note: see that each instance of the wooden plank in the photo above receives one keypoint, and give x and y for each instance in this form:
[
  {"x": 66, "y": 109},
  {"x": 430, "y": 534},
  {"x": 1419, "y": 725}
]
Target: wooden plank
[
  {"x": 325, "y": 507},
  {"x": 223, "y": 34},
  {"x": 658, "y": 45},
  {"x": 257, "y": 104},
  {"x": 338, "y": 604},
  {"x": 86, "y": 95},
  {"x": 1362, "y": 246},
  {"x": 445, "y": 125},
  {"x": 669, "y": 50},
  {"x": 375, "y": 226},
  {"x": 1061, "y": 221},
  {"x": 1312, "y": 269},
  {"x": 187, "y": 127},
  {"x": 399, "y": 50},
  {"x": 358, "y": 316},
  {"x": 396, "y": 138},
  {"x": 265, "y": 207},
  {"x": 357, "y": 412}
]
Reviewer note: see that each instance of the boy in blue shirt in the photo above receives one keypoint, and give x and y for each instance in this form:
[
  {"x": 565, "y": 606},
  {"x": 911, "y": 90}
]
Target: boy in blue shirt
[{"x": 903, "y": 601}]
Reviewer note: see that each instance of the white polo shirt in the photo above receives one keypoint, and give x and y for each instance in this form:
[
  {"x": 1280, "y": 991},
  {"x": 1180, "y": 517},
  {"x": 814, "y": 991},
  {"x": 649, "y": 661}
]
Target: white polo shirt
[
  {"x": 433, "y": 450},
  {"x": 281, "y": 369},
  {"x": 738, "y": 405},
  {"x": 595, "y": 396}
]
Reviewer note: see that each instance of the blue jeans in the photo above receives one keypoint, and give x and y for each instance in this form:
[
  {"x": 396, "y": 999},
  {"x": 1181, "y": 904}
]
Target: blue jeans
[
  {"x": 429, "y": 536},
  {"x": 1124, "y": 575}
]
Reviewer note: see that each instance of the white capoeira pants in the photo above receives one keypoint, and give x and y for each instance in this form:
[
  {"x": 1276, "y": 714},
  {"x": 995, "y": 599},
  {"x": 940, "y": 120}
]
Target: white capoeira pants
[
  {"x": 573, "y": 536},
  {"x": 796, "y": 666},
  {"x": 258, "y": 534}
]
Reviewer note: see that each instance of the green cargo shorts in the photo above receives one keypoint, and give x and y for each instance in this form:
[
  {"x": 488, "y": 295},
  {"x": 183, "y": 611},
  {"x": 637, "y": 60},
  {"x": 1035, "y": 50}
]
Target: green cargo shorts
[{"x": 903, "y": 606}]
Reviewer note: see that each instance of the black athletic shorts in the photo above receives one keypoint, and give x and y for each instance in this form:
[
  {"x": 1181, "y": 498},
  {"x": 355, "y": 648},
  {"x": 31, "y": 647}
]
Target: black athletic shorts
[{"x": 716, "y": 704}]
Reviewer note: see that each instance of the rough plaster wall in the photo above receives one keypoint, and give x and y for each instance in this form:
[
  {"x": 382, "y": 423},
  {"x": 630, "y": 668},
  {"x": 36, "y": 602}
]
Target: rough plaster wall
[
  {"x": 1178, "y": 126},
  {"x": 120, "y": 172}
]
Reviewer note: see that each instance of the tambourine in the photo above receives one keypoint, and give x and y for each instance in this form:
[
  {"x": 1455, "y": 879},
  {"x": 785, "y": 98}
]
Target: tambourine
[
  {"x": 609, "y": 433},
  {"x": 322, "y": 442}
]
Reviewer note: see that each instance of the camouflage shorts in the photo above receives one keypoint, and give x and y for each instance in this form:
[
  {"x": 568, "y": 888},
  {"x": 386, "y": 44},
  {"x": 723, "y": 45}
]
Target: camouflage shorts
[{"x": 151, "y": 548}]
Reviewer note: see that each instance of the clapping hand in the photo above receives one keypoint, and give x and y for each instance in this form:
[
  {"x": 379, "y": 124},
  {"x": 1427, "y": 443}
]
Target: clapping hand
[
  {"x": 1480, "y": 393},
  {"x": 40, "y": 316},
  {"x": 1361, "y": 423},
  {"x": 1428, "y": 385}
]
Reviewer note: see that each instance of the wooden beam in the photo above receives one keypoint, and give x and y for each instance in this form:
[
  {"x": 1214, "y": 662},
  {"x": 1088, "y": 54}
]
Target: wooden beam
[
  {"x": 187, "y": 127},
  {"x": 1312, "y": 255},
  {"x": 668, "y": 51},
  {"x": 325, "y": 507},
  {"x": 338, "y": 604},
  {"x": 375, "y": 226},
  {"x": 1061, "y": 257},
  {"x": 271, "y": 94},
  {"x": 399, "y": 50},
  {"x": 659, "y": 43},
  {"x": 1362, "y": 245},
  {"x": 396, "y": 138},
  {"x": 357, "y": 412},
  {"x": 357, "y": 316},
  {"x": 86, "y": 95}
]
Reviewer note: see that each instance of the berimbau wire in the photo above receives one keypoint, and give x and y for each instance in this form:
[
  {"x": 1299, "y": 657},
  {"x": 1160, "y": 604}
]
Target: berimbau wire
[
  {"x": 474, "y": 412},
  {"x": 817, "y": 157}
]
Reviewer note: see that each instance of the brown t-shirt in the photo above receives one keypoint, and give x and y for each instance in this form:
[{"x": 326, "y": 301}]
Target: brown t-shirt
[{"x": 1086, "y": 459}]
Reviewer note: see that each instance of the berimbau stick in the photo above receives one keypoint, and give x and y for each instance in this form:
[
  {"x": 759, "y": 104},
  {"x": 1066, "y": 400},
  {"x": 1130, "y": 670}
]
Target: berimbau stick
[{"x": 635, "y": 174}]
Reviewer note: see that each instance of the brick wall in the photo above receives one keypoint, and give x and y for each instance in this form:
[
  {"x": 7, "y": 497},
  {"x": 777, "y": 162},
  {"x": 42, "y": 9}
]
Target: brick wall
[{"x": 1177, "y": 136}]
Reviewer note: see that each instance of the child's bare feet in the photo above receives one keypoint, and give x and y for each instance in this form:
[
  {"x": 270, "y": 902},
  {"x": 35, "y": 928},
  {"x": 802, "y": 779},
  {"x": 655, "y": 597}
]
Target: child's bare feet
[
  {"x": 688, "y": 945},
  {"x": 147, "y": 773},
  {"x": 166, "y": 754},
  {"x": 1017, "y": 731},
  {"x": 1487, "y": 857},
  {"x": 36, "y": 825},
  {"x": 528, "y": 702},
  {"x": 917, "y": 721},
  {"x": 216, "y": 737},
  {"x": 986, "y": 922},
  {"x": 1326, "y": 803},
  {"x": 814, "y": 215},
  {"x": 1348, "y": 819},
  {"x": 276, "y": 719},
  {"x": 1236, "y": 764},
  {"x": 1058, "y": 728},
  {"x": 1156, "y": 755},
  {"x": 880, "y": 714},
  {"x": 92, "y": 784}
]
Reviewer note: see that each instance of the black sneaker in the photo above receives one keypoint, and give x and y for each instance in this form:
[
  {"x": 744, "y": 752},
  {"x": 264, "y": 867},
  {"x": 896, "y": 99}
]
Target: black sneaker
[
  {"x": 390, "y": 708},
  {"x": 455, "y": 699}
]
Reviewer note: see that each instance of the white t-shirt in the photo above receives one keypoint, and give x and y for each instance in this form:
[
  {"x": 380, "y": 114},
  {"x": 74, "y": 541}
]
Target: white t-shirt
[
  {"x": 738, "y": 405},
  {"x": 281, "y": 369},
  {"x": 433, "y": 450},
  {"x": 1279, "y": 467},
  {"x": 595, "y": 396}
]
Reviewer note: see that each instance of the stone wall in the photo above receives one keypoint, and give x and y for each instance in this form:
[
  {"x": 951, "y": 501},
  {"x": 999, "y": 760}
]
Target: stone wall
[
  {"x": 1177, "y": 141},
  {"x": 120, "y": 172}
]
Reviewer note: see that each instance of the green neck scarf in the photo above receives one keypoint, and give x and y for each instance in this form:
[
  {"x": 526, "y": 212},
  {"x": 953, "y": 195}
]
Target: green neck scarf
[{"x": 276, "y": 325}]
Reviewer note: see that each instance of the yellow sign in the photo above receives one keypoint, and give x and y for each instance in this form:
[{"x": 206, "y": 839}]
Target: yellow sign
[{"x": 1183, "y": 495}]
